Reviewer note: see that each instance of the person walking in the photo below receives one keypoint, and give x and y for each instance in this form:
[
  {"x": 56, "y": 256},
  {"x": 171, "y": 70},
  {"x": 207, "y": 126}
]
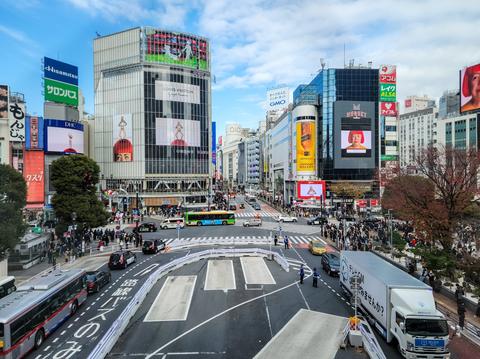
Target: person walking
[
  {"x": 461, "y": 313},
  {"x": 275, "y": 240},
  {"x": 459, "y": 293},
  {"x": 285, "y": 241},
  {"x": 302, "y": 274},
  {"x": 315, "y": 277}
]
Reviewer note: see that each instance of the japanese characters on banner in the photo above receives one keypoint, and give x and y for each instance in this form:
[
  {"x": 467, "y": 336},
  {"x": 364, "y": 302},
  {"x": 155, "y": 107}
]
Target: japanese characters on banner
[
  {"x": 16, "y": 121},
  {"x": 388, "y": 90},
  {"x": 34, "y": 176}
]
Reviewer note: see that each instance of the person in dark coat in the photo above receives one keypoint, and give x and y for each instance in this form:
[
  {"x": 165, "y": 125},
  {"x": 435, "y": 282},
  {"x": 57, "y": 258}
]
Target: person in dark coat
[
  {"x": 302, "y": 274},
  {"x": 315, "y": 277}
]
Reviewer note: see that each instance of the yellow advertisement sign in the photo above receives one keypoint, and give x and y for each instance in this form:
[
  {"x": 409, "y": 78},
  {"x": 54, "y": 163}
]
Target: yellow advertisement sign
[{"x": 306, "y": 147}]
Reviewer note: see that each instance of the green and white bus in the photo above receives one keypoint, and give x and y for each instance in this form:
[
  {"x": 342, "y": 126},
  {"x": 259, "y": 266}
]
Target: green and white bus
[
  {"x": 37, "y": 308},
  {"x": 209, "y": 218}
]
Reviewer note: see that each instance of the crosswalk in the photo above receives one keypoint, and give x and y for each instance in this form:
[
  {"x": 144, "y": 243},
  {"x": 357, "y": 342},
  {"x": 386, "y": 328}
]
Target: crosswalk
[
  {"x": 234, "y": 240},
  {"x": 258, "y": 213}
]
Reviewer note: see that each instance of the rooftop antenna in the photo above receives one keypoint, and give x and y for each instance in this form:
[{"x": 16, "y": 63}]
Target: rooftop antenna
[
  {"x": 322, "y": 63},
  {"x": 343, "y": 55}
]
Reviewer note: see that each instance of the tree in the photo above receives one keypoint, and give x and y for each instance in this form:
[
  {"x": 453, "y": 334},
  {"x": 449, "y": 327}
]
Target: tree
[
  {"x": 74, "y": 178},
  {"x": 436, "y": 200},
  {"x": 13, "y": 194}
]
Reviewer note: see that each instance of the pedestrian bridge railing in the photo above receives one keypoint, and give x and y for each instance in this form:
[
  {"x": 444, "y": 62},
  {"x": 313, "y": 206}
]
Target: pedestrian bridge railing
[{"x": 116, "y": 329}]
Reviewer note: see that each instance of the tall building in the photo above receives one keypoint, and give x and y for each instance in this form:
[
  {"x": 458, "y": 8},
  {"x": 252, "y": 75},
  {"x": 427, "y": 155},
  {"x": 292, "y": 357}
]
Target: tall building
[
  {"x": 416, "y": 103},
  {"x": 252, "y": 144},
  {"x": 153, "y": 117},
  {"x": 460, "y": 132},
  {"x": 416, "y": 132},
  {"x": 449, "y": 104}
]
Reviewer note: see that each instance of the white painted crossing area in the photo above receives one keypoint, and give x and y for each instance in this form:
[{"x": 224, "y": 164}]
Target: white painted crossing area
[
  {"x": 220, "y": 275},
  {"x": 257, "y": 213},
  {"x": 238, "y": 240}
]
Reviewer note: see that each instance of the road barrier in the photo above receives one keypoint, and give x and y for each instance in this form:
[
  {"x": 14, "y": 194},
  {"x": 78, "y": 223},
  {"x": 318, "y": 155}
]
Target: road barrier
[
  {"x": 370, "y": 342},
  {"x": 120, "y": 324}
]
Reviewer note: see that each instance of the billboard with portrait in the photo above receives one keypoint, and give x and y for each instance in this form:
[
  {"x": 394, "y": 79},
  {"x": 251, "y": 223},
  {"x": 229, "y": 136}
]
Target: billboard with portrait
[
  {"x": 175, "y": 91},
  {"x": 354, "y": 134},
  {"x": 3, "y": 102},
  {"x": 306, "y": 147},
  {"x": 176, "y": 48},
  {"x": 311, "y": 189},
  {"x": 33, "y": 172},
  {"x": 122, "y": 138},
  {"x": 34, "y": 133},
  {"x": 177, "y": 133},
  {"x": 470, "y": 88},
  {"x": 63, "y": 136}
]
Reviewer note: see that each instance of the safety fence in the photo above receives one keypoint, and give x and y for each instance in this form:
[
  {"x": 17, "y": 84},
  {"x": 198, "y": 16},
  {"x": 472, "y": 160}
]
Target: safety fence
[{"x": 120, "y": 324}]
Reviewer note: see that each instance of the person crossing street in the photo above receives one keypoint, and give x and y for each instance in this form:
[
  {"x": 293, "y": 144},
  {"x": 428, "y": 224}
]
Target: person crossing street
[
  {"x": 302, "y": 274},
  {"x": 315, "y": 278}
]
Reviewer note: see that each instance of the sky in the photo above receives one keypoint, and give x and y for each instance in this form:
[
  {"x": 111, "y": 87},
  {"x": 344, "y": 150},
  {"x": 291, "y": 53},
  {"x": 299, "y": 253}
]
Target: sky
[{"x": 255, "y": 44}]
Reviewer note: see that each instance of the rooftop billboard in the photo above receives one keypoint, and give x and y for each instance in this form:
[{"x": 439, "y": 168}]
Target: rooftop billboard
[
  {"x": 63, "y": 136},
  {"x": 470, "y": 88}
]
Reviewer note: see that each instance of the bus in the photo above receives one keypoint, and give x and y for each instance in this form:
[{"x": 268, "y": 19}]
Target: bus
[
  {"x": 37, "y": 308},
  {"x": 7, "y": 286},
  {"x": 209, "y": 218}
]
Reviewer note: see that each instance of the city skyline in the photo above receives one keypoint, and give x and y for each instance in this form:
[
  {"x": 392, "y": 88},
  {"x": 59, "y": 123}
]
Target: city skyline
[{"x": 255, "y": 45}]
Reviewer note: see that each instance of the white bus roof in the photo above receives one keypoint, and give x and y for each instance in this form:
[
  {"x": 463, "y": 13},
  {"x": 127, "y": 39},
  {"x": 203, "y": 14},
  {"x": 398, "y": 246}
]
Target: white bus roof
[{"x": 34, "y": 291}]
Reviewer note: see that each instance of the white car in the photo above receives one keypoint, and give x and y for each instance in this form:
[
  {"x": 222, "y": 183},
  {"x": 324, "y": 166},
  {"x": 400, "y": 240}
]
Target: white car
[
  {"x": 284, "y": 218},
  {"x": 252, "y": 222}
]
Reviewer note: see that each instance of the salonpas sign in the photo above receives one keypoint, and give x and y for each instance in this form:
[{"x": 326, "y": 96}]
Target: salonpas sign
[{"x": 61, "y": 92}]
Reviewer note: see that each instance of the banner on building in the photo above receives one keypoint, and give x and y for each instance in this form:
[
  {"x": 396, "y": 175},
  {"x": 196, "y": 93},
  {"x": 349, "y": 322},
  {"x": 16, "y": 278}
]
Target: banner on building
[
  {"x": 388, "y": 92},
  {"x": 306, "y": 147},
  {"x": 60, "y": 71},
  {"x": 176, "y": 48},
  {"x": 34, "y": 133},
  {"x": 470, "y": 88},
  {"x": 388, "y": 74},
  {"x": 311, "y": 190},
  {"x": 388, "y": 108},
  {"x": 16, "y": 121},
  {"x": 3, "y": 102},
  {"x": 122, "y": 138},
  {"x": 178, "y": 133},
  {"x": 33, "y": 172},
  {"x": 214, "y": 143},
  {"x": 278, "y": 99},
  {"x": 174, "y": 91},
  {"x": 63, "y": 136}
]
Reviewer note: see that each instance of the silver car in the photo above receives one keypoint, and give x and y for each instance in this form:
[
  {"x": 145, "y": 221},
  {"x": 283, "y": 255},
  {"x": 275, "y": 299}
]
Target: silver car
[{"x": 253, "y": 222}]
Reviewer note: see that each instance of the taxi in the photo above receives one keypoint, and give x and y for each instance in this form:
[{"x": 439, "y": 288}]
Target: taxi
[{"x": 317, "y": 248}]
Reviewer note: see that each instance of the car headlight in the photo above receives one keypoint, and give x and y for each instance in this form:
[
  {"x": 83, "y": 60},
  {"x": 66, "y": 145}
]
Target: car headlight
[{"x": 410, "y": 346}]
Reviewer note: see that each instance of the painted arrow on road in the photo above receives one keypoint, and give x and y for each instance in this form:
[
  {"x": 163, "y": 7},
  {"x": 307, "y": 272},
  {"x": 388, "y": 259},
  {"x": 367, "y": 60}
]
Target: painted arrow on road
[{"x": 147, "y": 270}]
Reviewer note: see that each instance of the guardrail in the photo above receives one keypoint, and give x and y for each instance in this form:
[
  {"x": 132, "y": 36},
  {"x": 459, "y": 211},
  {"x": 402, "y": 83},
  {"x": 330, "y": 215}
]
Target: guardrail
[
  {"x": 119, "y": 325},
  {"x": 370, "y": 342}
]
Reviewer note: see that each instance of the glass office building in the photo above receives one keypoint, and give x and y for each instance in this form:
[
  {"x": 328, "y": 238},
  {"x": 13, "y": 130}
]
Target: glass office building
[{"x": 153, "y": 116}]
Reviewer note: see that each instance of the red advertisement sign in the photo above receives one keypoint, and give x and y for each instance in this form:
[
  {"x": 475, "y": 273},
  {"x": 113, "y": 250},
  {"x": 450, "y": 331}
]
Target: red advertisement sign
[
  {"x": 361, "y": 203},
  {"x": 33, "y": 173},
  {"x": 388, "y": 74},
  {"x": 408, "y": 103},
  {"x": 374, "y": 203},
  {"x": 311, "y": 189},
  {"x": 388, "y": 108}
]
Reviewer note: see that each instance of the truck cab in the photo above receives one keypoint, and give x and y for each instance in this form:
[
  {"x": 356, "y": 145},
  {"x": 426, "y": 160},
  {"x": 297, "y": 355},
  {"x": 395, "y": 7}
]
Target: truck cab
[{"x": 420, "y": 330}]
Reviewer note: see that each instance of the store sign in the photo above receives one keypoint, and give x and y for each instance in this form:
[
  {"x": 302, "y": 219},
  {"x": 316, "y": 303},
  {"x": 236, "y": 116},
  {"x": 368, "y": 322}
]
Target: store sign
[
  {"x": 34, "y": 133},
  {"x": 388, "y": 109},
  {"x": 388, "y": 74},
  {"x": 34, "y": 176},
  {"x": 16, "y": 121},
  {"x": 60, "y": 92},
  {"x": 389, "y": 158},
  {"x": 388, "y": 92},
  {"x": 60, "y": 71}
]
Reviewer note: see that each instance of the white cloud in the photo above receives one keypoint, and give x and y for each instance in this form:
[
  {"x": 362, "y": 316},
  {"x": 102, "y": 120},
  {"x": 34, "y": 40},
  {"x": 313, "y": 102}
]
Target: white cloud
[{"x": 26, "y": 45}]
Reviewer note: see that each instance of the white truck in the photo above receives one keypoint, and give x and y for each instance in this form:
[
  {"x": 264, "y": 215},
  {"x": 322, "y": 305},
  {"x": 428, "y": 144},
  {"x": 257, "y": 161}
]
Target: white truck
[{"x": 401, "y": 307}]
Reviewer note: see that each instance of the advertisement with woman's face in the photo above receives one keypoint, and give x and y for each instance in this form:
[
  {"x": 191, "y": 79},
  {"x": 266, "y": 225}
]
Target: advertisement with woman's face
[
  {"x": 470, "y": 88},
  {"x": 356, "y": 142}
]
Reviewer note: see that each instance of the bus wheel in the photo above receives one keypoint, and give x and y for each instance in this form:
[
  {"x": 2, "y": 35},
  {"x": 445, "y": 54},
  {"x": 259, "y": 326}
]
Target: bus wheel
[
  {"x": 39, "y": 336},
  {"x": 199, "y": 223},
  {"x": 224, "y": 222},
  {"x": 74, "y": 307}
]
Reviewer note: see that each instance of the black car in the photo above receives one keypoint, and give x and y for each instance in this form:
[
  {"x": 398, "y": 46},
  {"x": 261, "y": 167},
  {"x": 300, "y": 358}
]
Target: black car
[
  {"x": 121, "y": 259},
  {"x": 153, "y": 246},
  {"x": 317, "y": 220},
  {"x": 96, "y": 280},
  {"x": 147, "y": 227},
  {"x": 331, "y": 263}
]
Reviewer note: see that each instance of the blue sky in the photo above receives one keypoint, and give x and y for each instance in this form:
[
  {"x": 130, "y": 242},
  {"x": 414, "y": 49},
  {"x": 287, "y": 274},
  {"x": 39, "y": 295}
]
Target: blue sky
[{"x": 256, "y": 44}]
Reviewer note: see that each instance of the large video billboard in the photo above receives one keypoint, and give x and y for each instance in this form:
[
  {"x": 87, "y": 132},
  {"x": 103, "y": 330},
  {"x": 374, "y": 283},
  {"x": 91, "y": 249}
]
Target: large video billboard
[
  {"x": 470, "y": 88},
  {"x": 33, "y": 171},
  {"x": 63, "y": 136},
  {"x": 278, "y": 99},
  {"x": 174, "y": 91},
  {"x": 122, "y": 138},
  {"x": 178, "y": 133},
  {"x": 3, "y": 102},
  {"x": 34, "y": 133},
  {"x": 311, "y": 189},
  {"x": 176, "y": 48},
  {"x": 306, "y": 147},
  {"x": 354, "y": 134}
]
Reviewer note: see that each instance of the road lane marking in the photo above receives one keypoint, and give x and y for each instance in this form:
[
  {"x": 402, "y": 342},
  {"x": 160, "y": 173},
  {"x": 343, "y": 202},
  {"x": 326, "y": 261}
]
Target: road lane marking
[
  {"x": 220, "y": 275},
  {"x": 255, "y": 271}
]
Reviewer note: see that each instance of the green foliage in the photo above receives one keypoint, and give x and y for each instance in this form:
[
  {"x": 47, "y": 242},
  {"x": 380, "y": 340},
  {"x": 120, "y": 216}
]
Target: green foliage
[
  {"x": 398, "y": 242},
  {"x": 442, "y": 262},
  {"x": 13, "y": 193},
  {"x": 74, "y": 178}
]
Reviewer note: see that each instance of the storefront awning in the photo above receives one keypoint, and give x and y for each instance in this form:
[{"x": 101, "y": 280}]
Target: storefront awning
[{"x": 34, "y": 206}]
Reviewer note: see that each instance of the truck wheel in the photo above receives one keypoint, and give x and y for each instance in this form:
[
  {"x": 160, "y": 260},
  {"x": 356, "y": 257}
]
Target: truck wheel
[
  {"x": 74, "y": 307},
  {"x": 39, "y": 337}
]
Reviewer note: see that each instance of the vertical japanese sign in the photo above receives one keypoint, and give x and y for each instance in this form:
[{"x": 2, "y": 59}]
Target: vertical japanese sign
[
  {"x": 34, "y": 133},
  {"x": 16, "y": 121},
  {"x": 34, "y": 176},
  {"x": 3, "y": 102},
  {"x": 388, "y": 90},
  {"x": 214, "y": 143}
]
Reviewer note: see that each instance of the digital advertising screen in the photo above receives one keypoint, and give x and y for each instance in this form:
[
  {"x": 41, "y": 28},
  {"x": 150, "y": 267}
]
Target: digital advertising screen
[
  {"x": 306, "y": 147},
  {"x": 63, "y": 136},
  {"x": 122, "y": 138},
  {"x": 311, "y": 189},
  {"x": 34, "y": 176},
  {"x": 470, "y": 88},
  {"x": 178, "y": 133},
  {"x": 354, "y": 134}
]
